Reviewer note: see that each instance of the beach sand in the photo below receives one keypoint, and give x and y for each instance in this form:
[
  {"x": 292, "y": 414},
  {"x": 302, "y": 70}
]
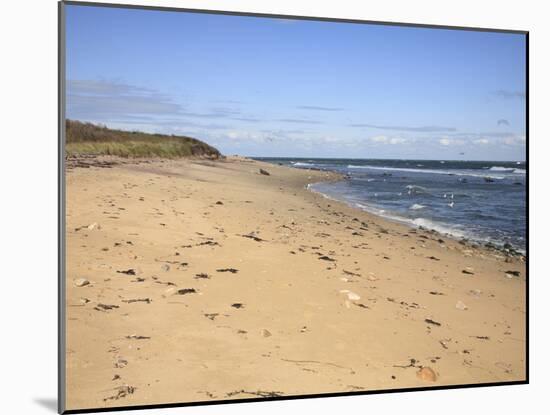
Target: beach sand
[{"x": 197, "y": 280}]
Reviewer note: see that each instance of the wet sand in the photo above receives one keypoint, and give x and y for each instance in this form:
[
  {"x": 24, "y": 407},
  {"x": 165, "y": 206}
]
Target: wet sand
[{"x": 196, "y": 280}]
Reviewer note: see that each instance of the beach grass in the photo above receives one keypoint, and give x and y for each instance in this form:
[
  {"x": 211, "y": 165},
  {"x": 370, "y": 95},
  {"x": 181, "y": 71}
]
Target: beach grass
[{"x": 91, "y": 139}]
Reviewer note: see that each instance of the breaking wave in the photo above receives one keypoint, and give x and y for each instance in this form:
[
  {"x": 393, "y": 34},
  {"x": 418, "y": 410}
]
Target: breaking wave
[{"x": 430, "y": 171}]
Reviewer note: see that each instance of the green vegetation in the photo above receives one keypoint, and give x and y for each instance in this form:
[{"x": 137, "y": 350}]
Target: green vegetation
[{"x": 87, "y": 138}]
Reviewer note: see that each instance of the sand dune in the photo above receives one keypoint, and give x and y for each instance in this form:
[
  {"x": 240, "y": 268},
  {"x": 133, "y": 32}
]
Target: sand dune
[{"x": 206, "y": 280}]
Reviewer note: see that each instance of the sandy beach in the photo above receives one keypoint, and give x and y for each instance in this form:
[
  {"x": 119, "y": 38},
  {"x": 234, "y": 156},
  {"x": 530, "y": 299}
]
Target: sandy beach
[{"x": 198, "y": 280}]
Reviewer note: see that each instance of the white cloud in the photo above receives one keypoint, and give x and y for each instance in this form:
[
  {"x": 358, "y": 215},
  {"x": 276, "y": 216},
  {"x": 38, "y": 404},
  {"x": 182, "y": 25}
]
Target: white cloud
[
  {"x": 397, "y": 140},
  {"x": 382, "y": 139},
  {"x": 332, "y": 139},
  {"x": 379, "y": 139},
  {"x": 446, "y": 141},
  {"x": 514, "y": 140}
]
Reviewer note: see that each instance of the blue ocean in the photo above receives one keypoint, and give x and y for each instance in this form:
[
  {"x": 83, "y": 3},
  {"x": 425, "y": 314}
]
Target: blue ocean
[{"x": 482, "y": 201}]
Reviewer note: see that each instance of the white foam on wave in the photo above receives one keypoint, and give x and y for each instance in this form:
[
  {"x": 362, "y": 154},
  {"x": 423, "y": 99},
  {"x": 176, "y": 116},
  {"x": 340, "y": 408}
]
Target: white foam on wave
[
  {"x": 302, "y": 164},
  {"x": 502, "y": 169},
  {"x": 431, "y": 171},
  {"x": 452, "y": 231},
  {"x": 439, "y": 227},
  {"x": 442, "y": 228},
  {"x": 417, "y": 189},
  {"x": 520, "y": 171}
]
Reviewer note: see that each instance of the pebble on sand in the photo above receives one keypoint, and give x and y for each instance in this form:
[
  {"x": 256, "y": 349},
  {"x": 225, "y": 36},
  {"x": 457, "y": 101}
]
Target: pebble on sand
[
  {"x": 93, "y": 226},
  {"x": 351, "y": 295},
  {"x": 81, "y": 282},
  {"x": 512, "y": 274},
  {"x": 265, "y": 333},
  {"x": 461, "y": 306},
  {"x": 427, "y": 374},
  {"x": 169, "y": 291}
]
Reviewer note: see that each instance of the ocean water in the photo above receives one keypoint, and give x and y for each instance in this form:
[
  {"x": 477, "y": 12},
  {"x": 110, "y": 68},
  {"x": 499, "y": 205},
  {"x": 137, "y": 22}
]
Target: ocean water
[{"x": 483, "y": 201}]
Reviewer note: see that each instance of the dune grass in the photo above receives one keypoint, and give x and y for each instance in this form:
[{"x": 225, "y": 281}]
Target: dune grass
[{"x": 91, "y": 139}]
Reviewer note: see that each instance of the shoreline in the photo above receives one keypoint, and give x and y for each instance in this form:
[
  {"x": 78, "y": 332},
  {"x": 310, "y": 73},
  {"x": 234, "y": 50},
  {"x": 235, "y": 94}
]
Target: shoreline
[
  {"x": 469, "y": 241},
  {"x": 208, "y": 280},
  {"x": 502, "y": 247}
]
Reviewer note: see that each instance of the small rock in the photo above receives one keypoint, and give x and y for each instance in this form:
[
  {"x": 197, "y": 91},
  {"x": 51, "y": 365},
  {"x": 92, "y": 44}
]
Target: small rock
[
  {"x": 122, "y": 392},
  {"x": 93, "y": 226},
  {"x": 169, "y": 291},
  {"x": 264, "y": 172},
  {"x": 461, "y": 306},
  {"x": 202, "y": 275},
  {"x": 231, "y": 270},
  {"x": 137, "y": 337},
  {"x": 128, "y": 272},
  {"x": 426, "y": 374},
  {"x": 81, "y": 282},
  {"x": 137, "y": 300},
  {"x": 165, "y": 267},
  {"x": 265, "y": 333},
  {"x": 351, "y": 295},
  {"x": 105, "y": 307}
]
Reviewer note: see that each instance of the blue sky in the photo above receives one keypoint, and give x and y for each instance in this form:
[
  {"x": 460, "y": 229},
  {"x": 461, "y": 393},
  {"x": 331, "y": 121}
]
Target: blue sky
[{"x": 278, "y": 87}]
